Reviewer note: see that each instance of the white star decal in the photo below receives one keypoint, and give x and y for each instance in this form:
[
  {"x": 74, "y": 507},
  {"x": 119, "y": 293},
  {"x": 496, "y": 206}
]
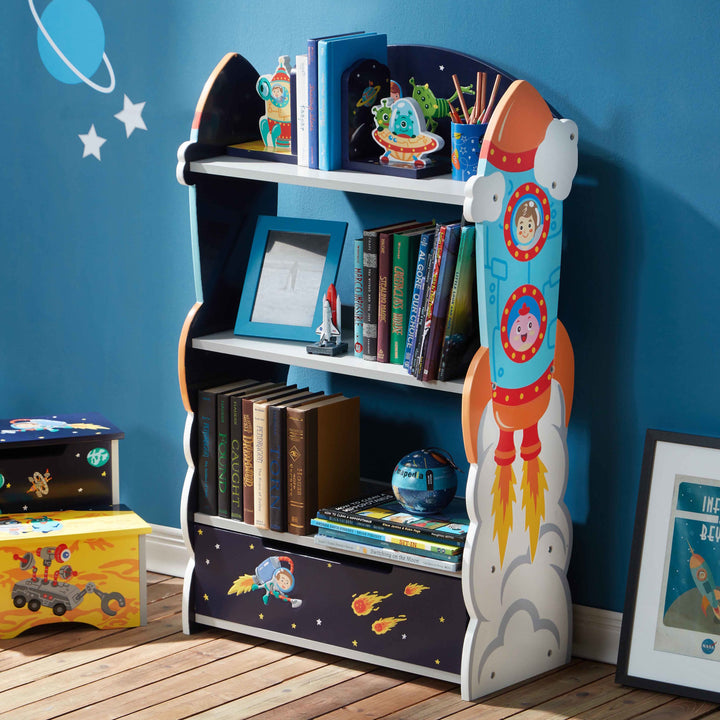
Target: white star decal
[
  {"x": 207, "y": 562},
  {"x": 217, "y": 546},
  {"x": 319, "y": 621},
  {"x": 92, "y": 143},
  {"x": 25, "y": 508},
  {"x": 131, "y": 115}
]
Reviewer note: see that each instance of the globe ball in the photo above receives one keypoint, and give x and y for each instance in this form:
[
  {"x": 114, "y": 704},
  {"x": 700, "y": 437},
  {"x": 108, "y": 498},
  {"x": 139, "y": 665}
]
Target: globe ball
[{"x": 425, "y": 481}]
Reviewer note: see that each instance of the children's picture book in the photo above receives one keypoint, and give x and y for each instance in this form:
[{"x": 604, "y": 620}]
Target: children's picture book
[
  {"x": 384, "y": 512},
  {"x": 369, "y": 548},
  {"x": 405, "y": 541}
]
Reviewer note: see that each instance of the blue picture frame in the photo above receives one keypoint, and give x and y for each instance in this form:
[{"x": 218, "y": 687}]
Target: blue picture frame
[{"x": 292, "y": 263}]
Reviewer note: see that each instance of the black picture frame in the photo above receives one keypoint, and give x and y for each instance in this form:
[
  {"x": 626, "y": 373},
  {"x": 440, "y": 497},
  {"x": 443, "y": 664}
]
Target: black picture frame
[{"x": 670, "y": 635}]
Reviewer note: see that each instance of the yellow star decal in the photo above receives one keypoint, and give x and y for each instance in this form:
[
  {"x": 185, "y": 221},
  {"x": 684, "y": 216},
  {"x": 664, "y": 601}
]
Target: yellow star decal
[
  {"x": 437, "y": 662},
  {"x": 103, "y": 474},
  {"x": 199, "y": 531},
  {"x": 329, "y": 564},
  {"x": 354, "y": 642},
  {"x": 252, "y": 547},
  {"x": 205, "y": 597},
  {"x": 261, "y": 616},
  {"x": 442, "y": 619},
  {"x": 293, "y": 626}
]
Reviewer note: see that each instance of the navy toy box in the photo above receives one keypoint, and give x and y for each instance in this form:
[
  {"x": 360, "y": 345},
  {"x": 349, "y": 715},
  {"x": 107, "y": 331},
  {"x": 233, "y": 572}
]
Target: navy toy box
[{"x": 58, "y": 462}]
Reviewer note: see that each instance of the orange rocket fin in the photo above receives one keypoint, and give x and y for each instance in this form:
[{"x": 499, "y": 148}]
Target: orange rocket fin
[
  {"x": 533, "y": 488},
  {"x": 503, "y": 491},
  {"x": 705, "y": 605},
  {"x": 564, "y": 363},
  {"x": 475, "y": 396}
]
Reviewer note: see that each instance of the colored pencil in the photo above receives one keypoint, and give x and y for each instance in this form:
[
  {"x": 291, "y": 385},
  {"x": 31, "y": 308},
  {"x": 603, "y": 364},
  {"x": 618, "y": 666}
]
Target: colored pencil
[
  {"x": 461, "y": 98},
  {"x": 488, "y": 111}
]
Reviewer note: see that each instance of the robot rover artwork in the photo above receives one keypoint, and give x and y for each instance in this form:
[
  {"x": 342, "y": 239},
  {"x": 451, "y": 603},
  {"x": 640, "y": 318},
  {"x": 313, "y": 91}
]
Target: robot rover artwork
[{"x": 57, "y": 594}]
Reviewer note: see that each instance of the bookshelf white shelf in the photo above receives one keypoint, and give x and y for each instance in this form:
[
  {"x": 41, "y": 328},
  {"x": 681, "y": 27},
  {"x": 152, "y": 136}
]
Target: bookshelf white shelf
[
  {"x": 308, "y": 541},
  {"x": 294, "y": 353},
  {"x": 440, "y": 189}
]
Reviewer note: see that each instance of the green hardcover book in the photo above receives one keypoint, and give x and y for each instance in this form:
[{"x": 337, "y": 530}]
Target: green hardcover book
[{"x": 404, "y": 261}]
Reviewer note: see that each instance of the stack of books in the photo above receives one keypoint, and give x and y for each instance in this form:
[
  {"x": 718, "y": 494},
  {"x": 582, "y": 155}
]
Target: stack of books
[
  {"x": 415, "y": 300},
  {"x": 379, "y": 526},
  {"x": 270, "y": 454}
]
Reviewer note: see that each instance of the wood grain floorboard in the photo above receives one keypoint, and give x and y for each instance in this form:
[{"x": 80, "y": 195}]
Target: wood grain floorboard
[{"x": 76, "y": 672}]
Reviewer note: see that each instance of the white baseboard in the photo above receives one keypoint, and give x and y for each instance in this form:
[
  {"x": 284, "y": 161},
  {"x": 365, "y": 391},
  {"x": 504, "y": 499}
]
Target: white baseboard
[
  {"x": 596, "y": 633},
  {"x": 166, "y": 551}
]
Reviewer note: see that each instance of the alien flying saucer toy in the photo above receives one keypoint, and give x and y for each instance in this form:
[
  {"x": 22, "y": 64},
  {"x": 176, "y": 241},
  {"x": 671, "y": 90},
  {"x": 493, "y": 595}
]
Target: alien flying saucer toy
[{"x": 403, "y": 134}]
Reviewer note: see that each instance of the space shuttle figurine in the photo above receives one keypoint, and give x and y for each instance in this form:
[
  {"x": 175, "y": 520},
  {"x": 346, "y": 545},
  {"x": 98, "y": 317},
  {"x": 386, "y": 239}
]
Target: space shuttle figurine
[{"x": 329, "y": 330}]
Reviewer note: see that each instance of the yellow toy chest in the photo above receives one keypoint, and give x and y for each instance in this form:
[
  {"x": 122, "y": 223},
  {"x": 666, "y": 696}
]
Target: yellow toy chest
[{"x": 72, "y": 566}]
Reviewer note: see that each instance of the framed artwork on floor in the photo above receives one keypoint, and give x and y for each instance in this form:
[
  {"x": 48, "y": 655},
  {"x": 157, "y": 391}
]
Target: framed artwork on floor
[{"x": 670, "y": 637}]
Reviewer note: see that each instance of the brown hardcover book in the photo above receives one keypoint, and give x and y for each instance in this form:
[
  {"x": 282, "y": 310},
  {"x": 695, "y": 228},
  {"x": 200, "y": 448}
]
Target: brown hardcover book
[
  {"x": 323, "y": 458},
  {"x": 236, "y": 454},
  {"x": 261, "y": 458},
  {"x": 279, "y": 390}
]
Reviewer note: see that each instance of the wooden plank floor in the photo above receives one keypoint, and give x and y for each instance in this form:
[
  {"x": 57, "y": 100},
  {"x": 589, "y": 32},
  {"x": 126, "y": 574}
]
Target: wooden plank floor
[{"x": 76, "y": 672}]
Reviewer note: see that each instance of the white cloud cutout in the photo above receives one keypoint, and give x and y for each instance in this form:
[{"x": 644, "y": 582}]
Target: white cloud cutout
[{"x": 556, "y": 159}]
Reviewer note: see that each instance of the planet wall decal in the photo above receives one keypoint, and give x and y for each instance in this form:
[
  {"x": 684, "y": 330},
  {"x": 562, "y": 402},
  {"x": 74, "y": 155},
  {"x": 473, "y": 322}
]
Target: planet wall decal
[{"x": 71, "y": 42}]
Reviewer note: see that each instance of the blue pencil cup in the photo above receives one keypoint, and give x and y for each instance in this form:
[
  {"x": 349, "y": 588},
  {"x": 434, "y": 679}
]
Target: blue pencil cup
[{"x": 465, "y": 142}]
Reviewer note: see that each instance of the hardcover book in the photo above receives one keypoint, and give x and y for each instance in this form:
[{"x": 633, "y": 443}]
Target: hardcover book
[
  {"x": 312, "y": 63},
  {"x": 427, "y": 241},
  {"x": 236, "y": 448},
  {"x": 248, "y": 445},
  {"x": 277, "y": 455},
  {"x": 224, "y": 450},
  {"x": 385, "y": 250},
  {"x": 323, "y": 457},
  {"x": 207, "y": 446},
  {"x": 446, "y": 274},
  {"x": 335, "y": 55},
  {"x": 371, "y": 240},
  {"x": 461, "y": 330},
  {"x": 358, "y": 296},
  {"x": 384, "y": 512},
  {"x": 406, "y": 245}
]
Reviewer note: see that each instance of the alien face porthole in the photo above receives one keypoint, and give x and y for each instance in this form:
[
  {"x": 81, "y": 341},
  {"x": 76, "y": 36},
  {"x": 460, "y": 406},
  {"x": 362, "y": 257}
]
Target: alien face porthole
[
  {"x": 524, "y": 324},
  {"x": 526, "y": 222}
]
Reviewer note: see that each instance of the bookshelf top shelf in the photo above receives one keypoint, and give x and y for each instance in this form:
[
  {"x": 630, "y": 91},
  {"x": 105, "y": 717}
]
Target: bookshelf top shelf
[{"x": 441, "y": 189}]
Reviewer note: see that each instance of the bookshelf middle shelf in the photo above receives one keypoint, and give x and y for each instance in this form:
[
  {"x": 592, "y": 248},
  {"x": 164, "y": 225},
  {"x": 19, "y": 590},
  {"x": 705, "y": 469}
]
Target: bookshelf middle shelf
[{"x": 294, "y": 353}]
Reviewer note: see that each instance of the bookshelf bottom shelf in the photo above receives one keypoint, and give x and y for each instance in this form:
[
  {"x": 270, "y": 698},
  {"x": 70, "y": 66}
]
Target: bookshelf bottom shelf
[{"x": 339, "y": 604}]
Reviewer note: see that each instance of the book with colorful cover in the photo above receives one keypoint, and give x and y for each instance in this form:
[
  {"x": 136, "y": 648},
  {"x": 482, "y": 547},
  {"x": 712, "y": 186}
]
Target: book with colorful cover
[
  {"x": 384, "y": 512},
  {"x": 334, "y": 56},
  {"x": 406, "y": 245},
  {"x": 406, "y": 541},
  {"x": 373, "y": 548},
  {"x": 385, "y": 251},
  {"x": 358, "y": 296},
  {"x": 446, "y": 273},
  {"x": 427, "y": 241},
  {"x": 461, "y": 330},
  {"x": 428, "y": 302}
]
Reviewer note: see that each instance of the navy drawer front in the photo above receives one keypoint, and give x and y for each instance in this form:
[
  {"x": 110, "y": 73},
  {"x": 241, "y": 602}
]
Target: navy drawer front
[{"x": 395, "y": 612}]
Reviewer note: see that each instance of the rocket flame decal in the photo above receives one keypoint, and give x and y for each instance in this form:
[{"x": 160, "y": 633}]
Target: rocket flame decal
[
  {"x": 383, "y": 625},
  {"x": 244, "y": 584},
  {"x": 414, "y": 589},
  {"x": 533, "y": 488},
  {"x": 367, "y": 602},
  {"x": 503, "y": 491}
]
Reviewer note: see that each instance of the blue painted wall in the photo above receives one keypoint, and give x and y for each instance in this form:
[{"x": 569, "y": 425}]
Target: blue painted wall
[{"x": 95, "y": 263}]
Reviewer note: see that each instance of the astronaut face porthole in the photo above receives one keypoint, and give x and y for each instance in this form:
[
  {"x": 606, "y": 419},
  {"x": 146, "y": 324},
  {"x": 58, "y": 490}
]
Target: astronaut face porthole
[
  {"x": 524, "y": 323},
  {"x": 526, "y": 222}
]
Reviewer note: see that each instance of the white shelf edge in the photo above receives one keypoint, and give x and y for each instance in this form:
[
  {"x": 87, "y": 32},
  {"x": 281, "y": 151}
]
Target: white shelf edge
[
  {"x": 294, "y": 353},
  {"x": 440, "y": 189},
  {"x": 308, "y": 541}
]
